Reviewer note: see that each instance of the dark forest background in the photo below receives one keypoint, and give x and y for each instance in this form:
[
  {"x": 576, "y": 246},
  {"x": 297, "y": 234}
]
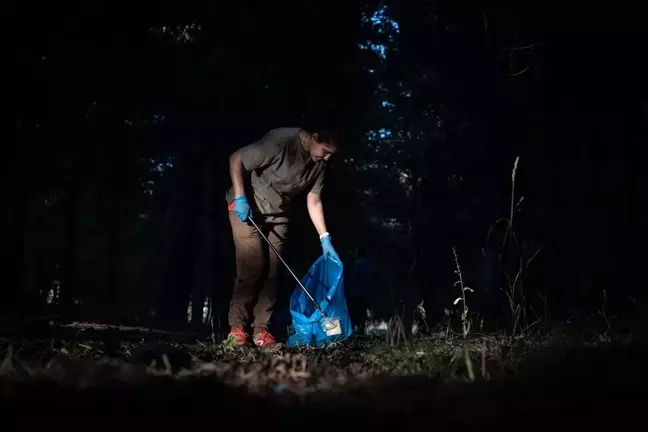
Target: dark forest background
[{"x": 126, "y": 113}]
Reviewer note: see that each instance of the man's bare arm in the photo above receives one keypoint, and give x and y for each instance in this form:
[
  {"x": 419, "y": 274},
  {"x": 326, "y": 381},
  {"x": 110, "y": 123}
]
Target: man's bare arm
[
  {"x": 236, "y": 173},
  {"x": 316, "y": 212}
]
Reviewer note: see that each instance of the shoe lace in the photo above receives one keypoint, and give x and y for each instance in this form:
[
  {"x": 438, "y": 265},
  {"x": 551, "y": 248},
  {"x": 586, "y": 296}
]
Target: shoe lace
[
  {"x": 238, "y": 331},
  {"x": 265, "y": 337}
]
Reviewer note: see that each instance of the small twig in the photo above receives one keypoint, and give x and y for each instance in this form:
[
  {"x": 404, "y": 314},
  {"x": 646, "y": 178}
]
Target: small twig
[
  {"x": 167, "y": 363},
  {"x": 520, "y": 48},
  {"x": 639, "y": 308},
  {"x": 90, "y": 348},
  {"x": 483, "y": 361},
  {"x": 603, "y": 313},
  {"x": 520, "y": 72},
  {"x": 464, "y": 315},
  {"x": 468, "y": 362}
]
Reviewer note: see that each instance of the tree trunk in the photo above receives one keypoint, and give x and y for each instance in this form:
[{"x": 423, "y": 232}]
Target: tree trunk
[
  {"x": 181, "y": 259},
  {"x": 205, "y": 264},
  {"x": 14, "y": 230},
  {"x": 69, "y": 284},
  {"x": 112, "y": 223}
]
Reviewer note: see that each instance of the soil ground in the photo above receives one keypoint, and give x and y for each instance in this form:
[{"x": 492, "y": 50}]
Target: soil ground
[{"x": 90, "y": 376}]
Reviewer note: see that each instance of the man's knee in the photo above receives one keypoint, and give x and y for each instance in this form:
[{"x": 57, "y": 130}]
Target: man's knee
[
  {"x": 274, "y": 261},
  {"x": 273, "y": 268},
  {"x": 250, "y": 265},
  {"x": 250, "y": 272}
]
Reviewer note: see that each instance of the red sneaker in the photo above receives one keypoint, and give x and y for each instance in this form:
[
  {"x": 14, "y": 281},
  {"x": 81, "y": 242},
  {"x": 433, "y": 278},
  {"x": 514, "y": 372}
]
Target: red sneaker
[
  {"x": 238, "y": 335},
  {"x": 264, "y": 339}
]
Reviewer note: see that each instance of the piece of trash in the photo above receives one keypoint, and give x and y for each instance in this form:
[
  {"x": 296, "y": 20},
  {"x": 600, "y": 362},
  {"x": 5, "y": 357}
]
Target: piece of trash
[{"x": 334, "y": 328}]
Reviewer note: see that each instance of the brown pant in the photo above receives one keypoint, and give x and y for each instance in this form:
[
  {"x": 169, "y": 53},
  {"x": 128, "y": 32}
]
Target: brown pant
[{"x": 256, "y": 272}]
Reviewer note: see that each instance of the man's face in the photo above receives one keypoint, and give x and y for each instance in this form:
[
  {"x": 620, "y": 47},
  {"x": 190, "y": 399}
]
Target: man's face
[{"x": 321, "y": 151}]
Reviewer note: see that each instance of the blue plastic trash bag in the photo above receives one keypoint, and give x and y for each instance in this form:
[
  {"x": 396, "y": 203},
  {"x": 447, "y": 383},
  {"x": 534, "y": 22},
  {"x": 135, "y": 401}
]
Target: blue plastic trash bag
[{"x": 325, "y": 282}]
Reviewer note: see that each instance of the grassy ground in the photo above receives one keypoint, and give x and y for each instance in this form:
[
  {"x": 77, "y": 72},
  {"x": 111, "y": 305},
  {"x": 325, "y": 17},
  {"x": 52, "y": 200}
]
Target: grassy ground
[{"x": 438, "y": 379}]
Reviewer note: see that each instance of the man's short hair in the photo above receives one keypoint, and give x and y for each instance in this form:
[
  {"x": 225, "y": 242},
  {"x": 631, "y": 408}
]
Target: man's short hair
[{"x": 328, "y": 137}]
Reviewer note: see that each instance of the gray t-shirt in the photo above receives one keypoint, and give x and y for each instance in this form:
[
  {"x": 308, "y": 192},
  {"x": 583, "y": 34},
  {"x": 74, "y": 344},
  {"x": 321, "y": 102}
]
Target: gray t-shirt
[{"x": 276, "y": 168}]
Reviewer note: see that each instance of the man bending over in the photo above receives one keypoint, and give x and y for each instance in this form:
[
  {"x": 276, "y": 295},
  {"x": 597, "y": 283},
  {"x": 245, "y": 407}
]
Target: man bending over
[{"x": 266, "y": 176}]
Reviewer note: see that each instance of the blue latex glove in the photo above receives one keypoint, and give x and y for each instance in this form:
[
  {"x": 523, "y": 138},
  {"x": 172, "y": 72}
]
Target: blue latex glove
[
  {"x": 327, "y": 248},
  {"x": 242, "y": 208}
]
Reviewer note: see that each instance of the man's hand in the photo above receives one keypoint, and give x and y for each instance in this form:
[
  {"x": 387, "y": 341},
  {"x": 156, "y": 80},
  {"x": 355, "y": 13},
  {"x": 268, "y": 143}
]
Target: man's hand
[
  {"x": 327, "y": 247},
  {"x": 241, "y": 207}
]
